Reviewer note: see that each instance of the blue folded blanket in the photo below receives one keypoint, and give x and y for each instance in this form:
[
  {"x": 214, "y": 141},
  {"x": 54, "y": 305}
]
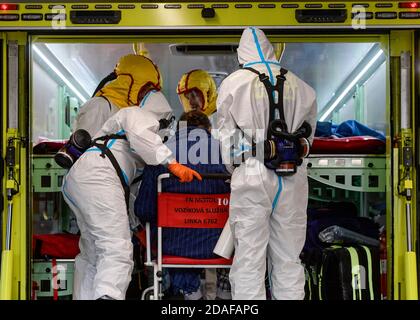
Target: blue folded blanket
[{"x": 349, "y": 128}]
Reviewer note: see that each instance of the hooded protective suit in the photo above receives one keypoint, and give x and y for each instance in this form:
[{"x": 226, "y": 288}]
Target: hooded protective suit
[
  {"x": 136, "y": 77},
  {"x": 203, "y": 85},
  {"x": 267, "y": 212},
  {"x": 94, "y": 193}
]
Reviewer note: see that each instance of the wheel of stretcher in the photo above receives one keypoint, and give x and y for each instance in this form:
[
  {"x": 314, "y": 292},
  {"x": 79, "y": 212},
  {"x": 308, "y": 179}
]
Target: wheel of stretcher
[{"x": 147, "y": 294}]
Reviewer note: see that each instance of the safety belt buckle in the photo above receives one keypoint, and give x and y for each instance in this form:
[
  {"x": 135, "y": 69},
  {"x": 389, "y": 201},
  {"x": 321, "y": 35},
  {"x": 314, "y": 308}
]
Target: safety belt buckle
[{"x": 263, "y": 77}]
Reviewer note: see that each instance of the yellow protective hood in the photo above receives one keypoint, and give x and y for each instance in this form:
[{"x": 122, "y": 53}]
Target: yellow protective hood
[
  {"x": 201, "y": 81},
  {"x": 136, "y": 76}
]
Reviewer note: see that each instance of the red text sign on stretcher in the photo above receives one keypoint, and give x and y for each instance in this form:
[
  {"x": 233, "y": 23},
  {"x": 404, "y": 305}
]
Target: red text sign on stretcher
[{"x": 192, "y": 210}]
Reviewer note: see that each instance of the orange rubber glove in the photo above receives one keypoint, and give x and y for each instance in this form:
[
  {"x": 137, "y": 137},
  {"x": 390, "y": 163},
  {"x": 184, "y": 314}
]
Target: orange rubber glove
[{"x": 184, "y": 173}]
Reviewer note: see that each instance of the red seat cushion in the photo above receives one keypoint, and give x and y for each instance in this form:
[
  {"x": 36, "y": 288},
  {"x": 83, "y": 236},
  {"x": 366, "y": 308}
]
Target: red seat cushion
[
  {"x": 183, "y": 260},
  {"x": 349, "y": 145}
]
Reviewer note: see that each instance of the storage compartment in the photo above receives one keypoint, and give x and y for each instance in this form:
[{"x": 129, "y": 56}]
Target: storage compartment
[
  {"x": 47, "y": 174},
  {"x": 52, "y": 279}
]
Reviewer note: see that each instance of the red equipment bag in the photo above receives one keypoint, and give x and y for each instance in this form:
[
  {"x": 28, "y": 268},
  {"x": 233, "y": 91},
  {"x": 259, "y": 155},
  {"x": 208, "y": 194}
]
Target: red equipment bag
[
  {"x": 60, "y": 246},
  {"x": 349, "y": 145}
]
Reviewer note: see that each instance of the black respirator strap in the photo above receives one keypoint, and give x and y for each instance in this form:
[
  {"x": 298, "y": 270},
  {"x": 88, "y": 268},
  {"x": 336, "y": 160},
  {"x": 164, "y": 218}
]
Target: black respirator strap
[
  {"x": 279, "y": 105},
  {"x": 110, "y": 77},
  {"x": 111, "y": 136},
  {"x": 279, "y": 87},
  {"x": 280, "y": 102},
  {"x": 107, "y": 152},
  {"x": 252, "y": 70}
]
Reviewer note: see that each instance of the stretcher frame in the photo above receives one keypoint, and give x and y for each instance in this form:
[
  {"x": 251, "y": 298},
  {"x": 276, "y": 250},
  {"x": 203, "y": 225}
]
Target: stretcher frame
[{"x": 158, "y": 264}]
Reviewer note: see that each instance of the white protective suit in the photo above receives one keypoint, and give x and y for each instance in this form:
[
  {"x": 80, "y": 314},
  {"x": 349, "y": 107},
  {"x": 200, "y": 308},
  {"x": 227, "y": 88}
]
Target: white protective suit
[
  {"x": 97, "y": 110},
  {"x": 267, "y": 212},
  {"x": 94, "y": 193},
  {"x": 93, "y": 114}
]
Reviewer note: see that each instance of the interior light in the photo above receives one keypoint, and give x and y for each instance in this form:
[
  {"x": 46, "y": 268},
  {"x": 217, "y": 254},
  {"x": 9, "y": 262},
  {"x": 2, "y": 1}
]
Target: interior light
[
  {"x": 59, "y": 74},
  {"x": 409, "y": 5},
  {"x": 351, "y": 85},
  {"x": 8, "y": 6}
]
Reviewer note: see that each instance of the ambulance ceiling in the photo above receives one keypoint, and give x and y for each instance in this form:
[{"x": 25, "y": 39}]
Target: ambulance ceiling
[{"x": 325, "y": 66}]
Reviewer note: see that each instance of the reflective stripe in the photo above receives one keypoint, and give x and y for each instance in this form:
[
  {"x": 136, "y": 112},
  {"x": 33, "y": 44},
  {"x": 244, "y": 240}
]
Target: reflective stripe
[
  {"x": 254, "y": 33},
  {"x": 143, "y": 101},
  {"x": 369, "y": 260},
  {"x": 320, "y": 275},
  {"x": 119, "y": 133},
  {"x": 355, "y": 271},
  {"x": 261, "y": 55},
  {"x": 125, "y": 176},
  {"x": 309, "y": 281},
  {"x": 276, "y": 198}
]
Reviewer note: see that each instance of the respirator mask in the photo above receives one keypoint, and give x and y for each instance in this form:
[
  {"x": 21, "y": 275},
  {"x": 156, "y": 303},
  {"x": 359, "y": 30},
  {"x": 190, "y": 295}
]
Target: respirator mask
[
  {"x": 78, "y": 143},
  {"x": 284, "y": 151}
]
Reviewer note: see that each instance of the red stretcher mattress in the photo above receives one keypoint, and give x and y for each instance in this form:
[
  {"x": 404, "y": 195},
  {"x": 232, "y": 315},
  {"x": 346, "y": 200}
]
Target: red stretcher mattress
[
  {"x": 45, "y": 146},
  {"x": 348, "y": 145},
  {"x": 59, "y": 245}
]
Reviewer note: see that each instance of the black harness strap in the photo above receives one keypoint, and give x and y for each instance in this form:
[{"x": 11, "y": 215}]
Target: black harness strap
[
  {"x": 137, "y": 179},
  {"x": 107, "y": 152},
  {"x": 276, "y": 113},
  {"x": 104, "y": 81},
  {"x": 271, "y": 89}
]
